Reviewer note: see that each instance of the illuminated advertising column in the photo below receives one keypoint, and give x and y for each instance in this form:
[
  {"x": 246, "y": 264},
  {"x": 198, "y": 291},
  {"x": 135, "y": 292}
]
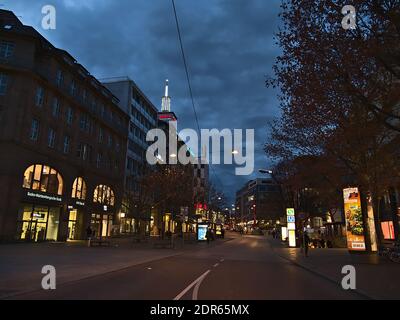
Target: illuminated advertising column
[
  {"x": 291, "y": 227},
  {"x": 354, "y": 220}
]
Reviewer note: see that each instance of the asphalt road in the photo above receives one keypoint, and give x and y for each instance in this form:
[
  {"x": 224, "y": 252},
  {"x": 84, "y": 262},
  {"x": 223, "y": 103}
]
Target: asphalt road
[{"x": 243, "y": 268}]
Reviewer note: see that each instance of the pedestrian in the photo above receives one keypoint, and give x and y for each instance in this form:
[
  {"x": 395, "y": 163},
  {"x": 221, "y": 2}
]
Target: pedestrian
[
  {"x": 208, "y": 236},
  {"x": 89, "y": 233},
  {"x": 306, "y": 241},
  {"x": 223, "y": 233}
]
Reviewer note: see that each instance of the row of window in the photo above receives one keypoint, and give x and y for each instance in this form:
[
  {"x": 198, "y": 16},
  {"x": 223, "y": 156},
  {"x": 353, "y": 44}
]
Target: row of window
[
  {"x": 140, "y": 118},
  {"x": 7, "y": 49},
  {"x": 85, "y": 97},
  {"x": 86, "y": 122},
  {"x": 47, "y": 180},
  {"x": 84, "y": 151}
]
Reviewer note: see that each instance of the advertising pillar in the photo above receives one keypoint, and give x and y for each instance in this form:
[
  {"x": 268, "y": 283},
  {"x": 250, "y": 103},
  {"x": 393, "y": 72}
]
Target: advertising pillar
[{"x": 355, "y": 232}]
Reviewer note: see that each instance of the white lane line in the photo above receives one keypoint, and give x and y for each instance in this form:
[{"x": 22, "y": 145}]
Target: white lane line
[
  {"x": 222, "y": 260},
  {"x": 179, "y": 296},
  {"x": 196, "y": 288},
  {"x": 216, "y": 265}
]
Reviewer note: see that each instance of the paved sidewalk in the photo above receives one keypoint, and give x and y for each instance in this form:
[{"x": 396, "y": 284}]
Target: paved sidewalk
[
  {"x": 377, "y": 277},
  {"x": 21, "y": 264}
]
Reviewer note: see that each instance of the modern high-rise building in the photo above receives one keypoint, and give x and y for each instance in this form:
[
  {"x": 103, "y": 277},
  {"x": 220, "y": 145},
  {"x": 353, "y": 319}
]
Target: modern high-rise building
[
  {"x": 258, "y": 200},
  {"x": 143, "y": 117},
  {"x": 62, "y": 139}
]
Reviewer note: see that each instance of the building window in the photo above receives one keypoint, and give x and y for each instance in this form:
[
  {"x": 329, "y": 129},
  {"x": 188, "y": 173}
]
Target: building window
[
  {"x": 39, "y": 97},
  {"x": 104, "y": 195},
  {"x": 67, "y": 144},
  {"x": 34, "y": 134},
  {"x": 110, "y": 140},
  {"x": 56, "y": 108},
  {"x": 99, "y": 160},
  {"x": 60, "y": 78},
  {"x": 6, "y": 49},
  {"x": 51, "y": 139},
  {"x": 70, "y": 115},
  {"x": 79, "y": 189},
  {"x": 44, "y": 179},
  {"x": 85, "y": 123},
  {"x": 101, "y": 135},
  {"x": 73, "y": 88},
  {"x": 84, "y": 151},
  {"x": 84, "y": 95},
  {"x": 3, "y": 84}
]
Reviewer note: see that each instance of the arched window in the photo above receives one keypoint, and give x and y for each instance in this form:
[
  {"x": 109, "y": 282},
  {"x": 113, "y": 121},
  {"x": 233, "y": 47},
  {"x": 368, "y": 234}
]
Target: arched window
[
  {"x": 44, "y": 179},
  {"x": 79, "y": 189},
  {"x": 104, "y": 195}
]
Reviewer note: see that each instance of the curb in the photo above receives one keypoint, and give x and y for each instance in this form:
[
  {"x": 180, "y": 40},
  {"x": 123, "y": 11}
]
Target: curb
[{"x": 322, "y": 275}]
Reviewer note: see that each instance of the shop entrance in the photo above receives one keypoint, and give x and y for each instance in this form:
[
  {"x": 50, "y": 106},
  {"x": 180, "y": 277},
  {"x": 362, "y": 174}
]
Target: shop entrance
[
  {"x": 38, "y": 223},
  {"x": 101, "y": 225},
  {"x": 75, "y": 223}
]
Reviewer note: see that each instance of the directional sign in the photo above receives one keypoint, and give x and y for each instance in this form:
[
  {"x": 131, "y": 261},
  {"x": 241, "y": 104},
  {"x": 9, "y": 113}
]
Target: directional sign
[
  {"x": 290, "y": 212},
  {"x": 291, "y": 219}
]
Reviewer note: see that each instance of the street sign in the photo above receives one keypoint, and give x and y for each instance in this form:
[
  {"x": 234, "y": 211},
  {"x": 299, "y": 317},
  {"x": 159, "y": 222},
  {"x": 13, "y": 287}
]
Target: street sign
[
  {"x": 291, "y": 219},
  {"x": 290, "y": 212}
]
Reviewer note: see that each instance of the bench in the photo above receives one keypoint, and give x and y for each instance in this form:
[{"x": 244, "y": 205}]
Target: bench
[
  {"x": 100, "y": 243},
  {"x": 140, "y": 238},
  {"x": 164, "y": 244}
]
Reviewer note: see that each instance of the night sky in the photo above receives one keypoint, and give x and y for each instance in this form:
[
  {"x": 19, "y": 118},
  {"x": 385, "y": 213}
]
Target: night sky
[{"x": 229, "y": 46}]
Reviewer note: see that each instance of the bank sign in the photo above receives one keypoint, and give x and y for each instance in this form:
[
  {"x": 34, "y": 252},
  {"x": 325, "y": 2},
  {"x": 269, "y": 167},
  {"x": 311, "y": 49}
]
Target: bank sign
[{"x": 354, "y": 220}]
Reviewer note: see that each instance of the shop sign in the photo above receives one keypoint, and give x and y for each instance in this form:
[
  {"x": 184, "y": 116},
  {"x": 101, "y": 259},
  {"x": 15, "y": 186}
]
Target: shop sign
[
  {"x": 354, "y": 220},
  {"x": 43, "y": 196},
  {"x": 80, "y": 203}
]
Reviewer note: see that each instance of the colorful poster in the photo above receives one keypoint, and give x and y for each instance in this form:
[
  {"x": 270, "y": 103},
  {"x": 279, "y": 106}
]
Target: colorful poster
[{"x": 354, "y": 220}]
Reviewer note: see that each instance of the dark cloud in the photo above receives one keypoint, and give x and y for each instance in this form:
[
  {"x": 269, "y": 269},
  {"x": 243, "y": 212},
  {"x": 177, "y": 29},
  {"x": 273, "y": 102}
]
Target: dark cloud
[{"x": 229, "y": 46}]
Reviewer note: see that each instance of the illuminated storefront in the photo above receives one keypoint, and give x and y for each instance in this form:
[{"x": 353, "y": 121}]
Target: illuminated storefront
[
  {"x": 102, "y": 216},
  {"x": 76, "y": 210},
  {"x": 39, "y": 213},
  {"x": 47, "y": 213}
]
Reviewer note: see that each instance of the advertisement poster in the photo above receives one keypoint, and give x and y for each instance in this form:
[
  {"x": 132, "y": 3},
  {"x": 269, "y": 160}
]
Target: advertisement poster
[
  {"x": 202, "y": 232},
  {"x": 354, "y": 220}
]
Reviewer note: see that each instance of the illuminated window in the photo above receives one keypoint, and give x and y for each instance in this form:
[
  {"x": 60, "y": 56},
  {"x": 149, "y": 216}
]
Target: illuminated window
[
  {"x": 104, "y": 195},
  {"x": 79, "y": 189},
  {"x": 388, "y": 230},
  {"x": 44, "y": 179}
]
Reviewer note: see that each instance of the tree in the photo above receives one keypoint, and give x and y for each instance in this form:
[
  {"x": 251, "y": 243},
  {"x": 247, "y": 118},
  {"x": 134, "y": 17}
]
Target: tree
[{"x": 340, "y": 92}]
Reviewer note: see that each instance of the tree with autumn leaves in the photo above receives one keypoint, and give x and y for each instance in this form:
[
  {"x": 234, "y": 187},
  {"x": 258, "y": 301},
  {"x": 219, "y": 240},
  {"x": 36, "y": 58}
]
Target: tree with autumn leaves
[{"x": 340, "y": 98}]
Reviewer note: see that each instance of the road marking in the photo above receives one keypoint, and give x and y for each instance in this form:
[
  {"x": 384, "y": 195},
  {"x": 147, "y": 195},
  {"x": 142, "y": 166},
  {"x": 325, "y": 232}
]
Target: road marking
[
  {"x": 216, "y": 265},
  {"x": 179, "y": 296},
  {"x": 222, "y": 260},
  {"x": 196, "y": 288}
]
